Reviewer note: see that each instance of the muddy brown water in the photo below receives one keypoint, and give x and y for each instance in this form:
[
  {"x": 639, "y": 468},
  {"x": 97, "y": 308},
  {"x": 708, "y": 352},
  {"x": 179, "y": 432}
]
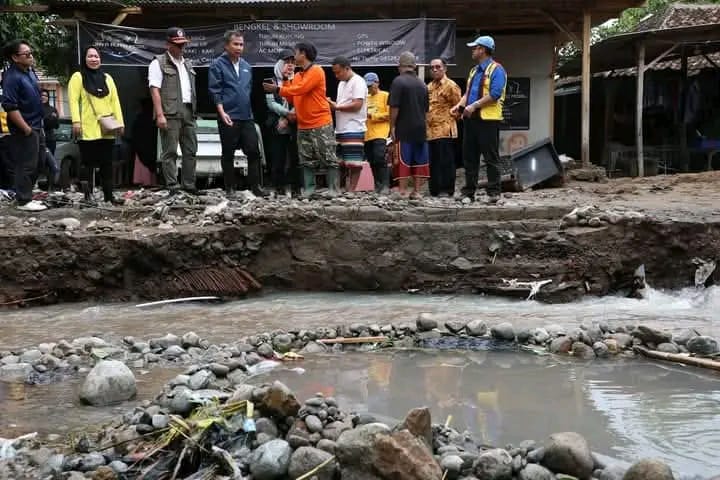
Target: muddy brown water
[{"x": 626, "y": 409}]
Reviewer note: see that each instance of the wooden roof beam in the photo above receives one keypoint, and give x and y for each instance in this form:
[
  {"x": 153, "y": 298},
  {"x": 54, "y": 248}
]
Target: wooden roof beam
[
  {"x": 124, "y": 12},
  {"x": 32, "y": 8}
]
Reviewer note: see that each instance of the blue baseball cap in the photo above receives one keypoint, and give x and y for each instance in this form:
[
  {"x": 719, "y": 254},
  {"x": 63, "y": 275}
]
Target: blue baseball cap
[
  {"x": 371, "y": 78},
  {"x": 483, "y": 41}
]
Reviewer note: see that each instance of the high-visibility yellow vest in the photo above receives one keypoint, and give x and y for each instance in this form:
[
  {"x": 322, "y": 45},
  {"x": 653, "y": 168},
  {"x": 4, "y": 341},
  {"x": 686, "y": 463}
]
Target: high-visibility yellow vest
[
  {"x": 492, "y": 111},
  {"x": 3, "y": 122}
]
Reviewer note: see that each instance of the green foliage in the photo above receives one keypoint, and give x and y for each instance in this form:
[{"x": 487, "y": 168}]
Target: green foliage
[{"x": 51, "y": 44}]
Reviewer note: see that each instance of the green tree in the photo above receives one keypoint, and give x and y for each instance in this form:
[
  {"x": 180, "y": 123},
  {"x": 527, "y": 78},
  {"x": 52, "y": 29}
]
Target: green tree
[{"x": 51, "y": 43}]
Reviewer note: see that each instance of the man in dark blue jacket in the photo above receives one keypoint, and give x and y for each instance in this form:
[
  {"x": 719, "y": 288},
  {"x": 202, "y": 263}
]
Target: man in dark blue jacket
[
  {"x": 21, "y": 101},
  {"x": 230, "y": 84}
]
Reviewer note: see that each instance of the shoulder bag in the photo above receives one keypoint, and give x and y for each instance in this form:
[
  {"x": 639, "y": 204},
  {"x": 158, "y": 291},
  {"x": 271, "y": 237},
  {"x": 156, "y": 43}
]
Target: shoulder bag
[{"x": 109, "y": 125}]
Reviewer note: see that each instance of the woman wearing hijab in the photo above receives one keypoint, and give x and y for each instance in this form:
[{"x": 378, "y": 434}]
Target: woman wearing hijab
[
  {"x": 282, "y": 148},
  {"x": 93, "y": 95}
]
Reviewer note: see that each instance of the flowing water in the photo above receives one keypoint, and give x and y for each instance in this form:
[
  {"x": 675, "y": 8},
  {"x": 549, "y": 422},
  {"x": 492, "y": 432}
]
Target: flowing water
[{"x": 626, "y": 409}]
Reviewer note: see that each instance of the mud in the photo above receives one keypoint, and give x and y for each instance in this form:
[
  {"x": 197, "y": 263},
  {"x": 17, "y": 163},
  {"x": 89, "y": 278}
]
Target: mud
[{"x": 364, "y": 245}]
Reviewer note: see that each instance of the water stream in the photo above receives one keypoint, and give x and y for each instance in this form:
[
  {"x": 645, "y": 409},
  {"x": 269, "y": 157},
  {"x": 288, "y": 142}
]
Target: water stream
[{"x": 627, "y": 409}]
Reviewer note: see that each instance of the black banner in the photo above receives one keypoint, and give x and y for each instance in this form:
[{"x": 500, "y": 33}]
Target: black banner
[
  {"x": 365, "y": 43},
  {"x": 516, "y": 111}
]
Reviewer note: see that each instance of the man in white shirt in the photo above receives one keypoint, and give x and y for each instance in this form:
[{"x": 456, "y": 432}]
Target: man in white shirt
[
  {"x": 172, "y": 88},
  {"x": 350, "y": 109}
]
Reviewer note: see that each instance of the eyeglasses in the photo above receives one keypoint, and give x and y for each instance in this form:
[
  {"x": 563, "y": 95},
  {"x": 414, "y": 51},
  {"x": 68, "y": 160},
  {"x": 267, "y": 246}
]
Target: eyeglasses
[{"x": 24, "y": 54}]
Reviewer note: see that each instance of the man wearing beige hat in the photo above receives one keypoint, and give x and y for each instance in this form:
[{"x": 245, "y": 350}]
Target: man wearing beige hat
[{"x": 172, "y": 88}]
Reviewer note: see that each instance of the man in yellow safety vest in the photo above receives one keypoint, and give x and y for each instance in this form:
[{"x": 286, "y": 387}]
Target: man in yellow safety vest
[{"x": 481, "y": 108}]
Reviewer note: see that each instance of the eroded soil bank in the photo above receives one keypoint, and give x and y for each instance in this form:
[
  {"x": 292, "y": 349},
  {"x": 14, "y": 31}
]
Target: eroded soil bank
[{"x": 369, "y": 244}]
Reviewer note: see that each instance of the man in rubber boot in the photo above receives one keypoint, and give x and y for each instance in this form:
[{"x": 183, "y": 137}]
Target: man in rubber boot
[
  {"x": 481, "y": 108},
  {"x": 316, "y": 135},
  {"x": 172, "y": 88}
]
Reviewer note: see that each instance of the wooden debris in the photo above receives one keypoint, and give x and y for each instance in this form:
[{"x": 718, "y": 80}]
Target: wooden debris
[
  {"x": 680, "y": 358},
  {"x": 353, "y": 340}
]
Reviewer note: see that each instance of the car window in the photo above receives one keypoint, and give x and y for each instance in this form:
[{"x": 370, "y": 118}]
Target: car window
[{"x": 64, "y": 131}]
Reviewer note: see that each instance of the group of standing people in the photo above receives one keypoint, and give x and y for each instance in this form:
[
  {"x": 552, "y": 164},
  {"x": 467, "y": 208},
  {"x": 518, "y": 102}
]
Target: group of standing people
[
  {"x": 414, "y": 125},
  {"x": 413, "y": 122},
  {"x": 96, "y": 121}
]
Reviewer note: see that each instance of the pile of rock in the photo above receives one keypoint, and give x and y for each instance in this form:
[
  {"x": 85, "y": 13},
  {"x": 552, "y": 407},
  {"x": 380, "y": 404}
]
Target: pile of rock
[
  {"x": 230, "y": 363},
  {"x": 592, "y": 216},
  {"x": 287, "y": 440},
  {"x": 590, "y": 340}
]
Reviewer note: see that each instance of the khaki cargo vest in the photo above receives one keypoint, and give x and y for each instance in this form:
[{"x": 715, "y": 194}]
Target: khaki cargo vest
[{"x": 170, "y": 93}]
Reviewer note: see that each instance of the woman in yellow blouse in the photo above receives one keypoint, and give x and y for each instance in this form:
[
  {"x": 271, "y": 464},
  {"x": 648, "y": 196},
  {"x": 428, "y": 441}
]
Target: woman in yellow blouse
[{"x": 93, "y": 95}]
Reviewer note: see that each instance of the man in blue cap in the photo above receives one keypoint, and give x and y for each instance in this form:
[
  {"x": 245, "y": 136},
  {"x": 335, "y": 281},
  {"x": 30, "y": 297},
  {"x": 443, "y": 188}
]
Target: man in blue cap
[{"x": 481, "y": 109}]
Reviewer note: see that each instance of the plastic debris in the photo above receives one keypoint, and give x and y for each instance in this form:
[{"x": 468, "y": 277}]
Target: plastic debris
[
  {"x": 7, "y": 445},
  {"x": 213, "y": 210},
  {"x": 704, "y": 269},
  {"x": 533, "y": 286}
]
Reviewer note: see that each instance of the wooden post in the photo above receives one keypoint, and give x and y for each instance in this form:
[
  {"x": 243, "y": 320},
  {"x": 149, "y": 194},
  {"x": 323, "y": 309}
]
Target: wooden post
[
  {"x": 585, "y": 137},
  {"x": 682, "y": 127},
  {"x": 610, "y": 96},
  {"x": 639, "y": 96}
]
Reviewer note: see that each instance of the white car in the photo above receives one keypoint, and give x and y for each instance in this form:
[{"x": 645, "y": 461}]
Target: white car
[{"x": 208, "y": 164}]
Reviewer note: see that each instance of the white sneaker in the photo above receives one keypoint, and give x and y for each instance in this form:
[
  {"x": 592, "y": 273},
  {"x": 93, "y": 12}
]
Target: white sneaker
[{"x": 32, "y": 206}]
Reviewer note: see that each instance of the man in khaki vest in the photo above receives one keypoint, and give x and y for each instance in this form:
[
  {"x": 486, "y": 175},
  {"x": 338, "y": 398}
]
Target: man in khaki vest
[{"x": 172, "y": 88}]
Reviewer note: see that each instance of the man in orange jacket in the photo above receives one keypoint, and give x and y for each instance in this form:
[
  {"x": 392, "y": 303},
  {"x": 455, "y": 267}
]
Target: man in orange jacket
[{"x": 316, "y": 135}]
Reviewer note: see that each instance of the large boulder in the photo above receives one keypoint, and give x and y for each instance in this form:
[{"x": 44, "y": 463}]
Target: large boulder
[
  {"x": 649, "y": 469},
  {"x": 352, "y": 473},
  {"x": 276, "y": 400},
  {"x": 476, "y": 328},
  {"x": 504, "y": 331},
  {"x": 540, "y": 335},
  {"x": 355, "y": 447},
  {"x": 419, "y": 423},
  {"x": 583, "y": 350},
  {"x": 110, "y": 381},
  {"x": 495, "y": 464},
  {"x": 535, "y": 472},
  {"x": 561, "y": 345},
  {"x": 569, "y": 453},
  {"x": 305, "y": 459},
  {"x": 685, "y": 336},
  {"x": 623, "y": 340},
  {"x": 403, "y": 456},
  {"x": 702, "y": 345},
  {"x": 651, "y": 335},
  {"x": 426, "y": 322},
  {"x": 270, "y": 460}
]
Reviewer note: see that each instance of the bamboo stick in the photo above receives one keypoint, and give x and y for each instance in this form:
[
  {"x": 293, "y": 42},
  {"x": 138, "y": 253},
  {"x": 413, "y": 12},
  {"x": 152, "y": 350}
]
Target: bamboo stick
[
  {"x": 678, "y": 358},
  {"x": 315, "y": 470},
  {"x": 353, "y": 340}
]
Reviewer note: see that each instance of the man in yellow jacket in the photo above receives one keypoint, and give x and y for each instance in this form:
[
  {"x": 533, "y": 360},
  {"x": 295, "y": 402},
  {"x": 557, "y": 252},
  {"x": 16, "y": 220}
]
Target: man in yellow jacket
[
  {"x": 481, "y": 109},
  {"x": 378, "y": 130}
]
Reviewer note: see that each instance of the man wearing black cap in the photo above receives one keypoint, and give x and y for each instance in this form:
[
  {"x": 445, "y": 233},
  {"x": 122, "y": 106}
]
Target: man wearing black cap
[{"x": 172, "y": 88}]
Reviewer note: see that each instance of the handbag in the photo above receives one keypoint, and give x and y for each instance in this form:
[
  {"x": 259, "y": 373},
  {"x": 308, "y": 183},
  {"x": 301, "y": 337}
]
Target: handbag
[{"x": 109, "y": 125}]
